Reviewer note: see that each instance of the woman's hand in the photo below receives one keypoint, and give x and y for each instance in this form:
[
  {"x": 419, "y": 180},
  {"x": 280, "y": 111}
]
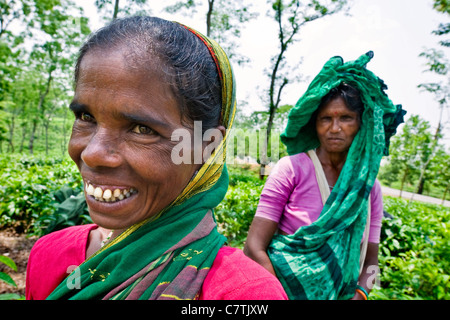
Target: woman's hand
[{"x": 369, "y": 272}]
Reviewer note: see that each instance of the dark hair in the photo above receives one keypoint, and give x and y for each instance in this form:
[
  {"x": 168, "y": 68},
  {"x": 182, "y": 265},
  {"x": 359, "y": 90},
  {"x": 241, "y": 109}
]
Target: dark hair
[
  {"x": 349, "y": 94},
  {"x": 184, "y": 58}
]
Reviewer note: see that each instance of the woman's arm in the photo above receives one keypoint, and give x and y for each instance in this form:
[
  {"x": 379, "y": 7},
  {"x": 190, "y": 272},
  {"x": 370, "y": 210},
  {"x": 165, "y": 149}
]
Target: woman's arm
[
  {"x": 370, "y": 270},
  {"x": 259, "y": 236},
  {"x": 274, "y": 197}
]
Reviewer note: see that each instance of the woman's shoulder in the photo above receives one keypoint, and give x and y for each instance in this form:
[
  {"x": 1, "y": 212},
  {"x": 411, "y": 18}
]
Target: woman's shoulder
[
  {"x": 296, "y": 164},
  {"x": 67, "y": 238},
  {"x": 376, "y": 187},
  {"x": 234, "y": 276},
  {"x": 51, "y": 258},
  {"x": 376, "y": 195},
  {"x": 295, "y": 158}
]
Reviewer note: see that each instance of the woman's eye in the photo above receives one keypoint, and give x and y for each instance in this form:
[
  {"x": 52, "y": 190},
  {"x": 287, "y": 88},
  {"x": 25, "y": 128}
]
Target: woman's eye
[
  {"x": 86, "y": 117},
  {"x": 140, "y": 129}
]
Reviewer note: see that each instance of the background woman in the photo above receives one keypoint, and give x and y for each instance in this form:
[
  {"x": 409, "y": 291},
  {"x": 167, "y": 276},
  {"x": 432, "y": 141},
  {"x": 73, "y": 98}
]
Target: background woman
[
  {"x": 137, "y": 81},
  {"x": 310, "y": 221}
]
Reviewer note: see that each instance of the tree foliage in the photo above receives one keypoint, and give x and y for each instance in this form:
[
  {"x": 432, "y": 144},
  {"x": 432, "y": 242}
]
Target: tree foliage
[
  {"x": 416, "y": 159},
  {"x": 438, "y": 64},
  {"x": 224, "y": 20},
  {"x": 37, "y": 56},
  {"x": 112, "y": 8}
]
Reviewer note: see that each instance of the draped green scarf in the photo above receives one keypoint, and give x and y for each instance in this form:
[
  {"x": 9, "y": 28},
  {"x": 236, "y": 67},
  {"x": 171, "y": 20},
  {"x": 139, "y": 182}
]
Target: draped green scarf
[
  {"x": 167, "y": 256},
  {"x": 321, "y": 261}
]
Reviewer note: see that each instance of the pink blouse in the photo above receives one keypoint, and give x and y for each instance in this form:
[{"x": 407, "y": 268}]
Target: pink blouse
[
  {"x": 233, "y": 276},
  {"x": 291, "y": 197}
]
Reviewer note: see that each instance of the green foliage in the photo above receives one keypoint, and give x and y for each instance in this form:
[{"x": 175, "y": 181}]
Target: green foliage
[
  {"x": 417, "y": 160},
  {"x": 36, "y": 59},
  {"x": 7, "y": 279},
  {"x": 4, "y": 276},
  {"x": 27, "y": 191},
  {"x": 414, "y": 251},
  {"x": 235, "y": 213}
]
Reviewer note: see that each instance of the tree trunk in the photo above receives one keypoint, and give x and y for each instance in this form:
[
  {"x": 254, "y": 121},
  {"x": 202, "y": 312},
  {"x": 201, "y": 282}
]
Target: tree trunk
[
  {"x": 421, "y": 186},
  {"x": 421, "y": 183},
  {"x": 403, "y": 180},
  {"x": 24, "y": 133},
  {"x": 445, "y": 192},
  {"x": 63, "y": 147},
  {"x": 208, "y": 17},
  {"x": 32, "y": 135},
  {"x": 11, "y": 133},
  {"x": 46, "y": 138},
  {"x": 263, "y": 153},
  {"x": 116, "y": 9},
  {"x": 273, "y": 104},
  {"x": 422, "y": 179},
  {"x": 40, "y": 108}
]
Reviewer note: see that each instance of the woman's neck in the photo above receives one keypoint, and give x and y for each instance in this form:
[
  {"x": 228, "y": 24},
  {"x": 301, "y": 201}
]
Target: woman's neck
[
  {"x": 332, "y": 164},
  {"x": 98, "y": 238}
]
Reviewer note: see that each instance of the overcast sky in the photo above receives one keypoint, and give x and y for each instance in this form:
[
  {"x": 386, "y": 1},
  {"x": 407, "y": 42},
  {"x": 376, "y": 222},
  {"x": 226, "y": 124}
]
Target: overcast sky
[{"x": 396, "y": 30}]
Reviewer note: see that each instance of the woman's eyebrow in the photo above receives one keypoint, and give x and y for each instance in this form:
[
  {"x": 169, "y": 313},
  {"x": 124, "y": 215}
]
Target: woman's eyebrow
[
  {"x": 131, "y": 117},
  {"x": 77, "y": 107},
  {"x": 144, "y": 119}
]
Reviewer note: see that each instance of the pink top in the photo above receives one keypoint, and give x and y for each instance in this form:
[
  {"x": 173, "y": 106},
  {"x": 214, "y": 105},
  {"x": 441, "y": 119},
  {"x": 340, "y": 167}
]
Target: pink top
[
  {"x": 291, "y": 197},
  {"x": 233, "y": 276}
]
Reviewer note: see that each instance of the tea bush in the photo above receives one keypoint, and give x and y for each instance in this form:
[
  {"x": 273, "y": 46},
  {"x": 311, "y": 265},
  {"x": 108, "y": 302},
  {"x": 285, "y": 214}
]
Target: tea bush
[
  {"x": 414, "y": 251},
  {"x": 27, "y": 190},
  {"x": 235, "y": 213},
  {"x": 4, "y": 277}
]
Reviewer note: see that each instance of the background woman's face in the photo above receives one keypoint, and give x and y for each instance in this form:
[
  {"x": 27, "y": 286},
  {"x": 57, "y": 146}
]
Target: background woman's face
[
  {"x": 336, "y": 126},
  {"x": 121, "y": 140}
]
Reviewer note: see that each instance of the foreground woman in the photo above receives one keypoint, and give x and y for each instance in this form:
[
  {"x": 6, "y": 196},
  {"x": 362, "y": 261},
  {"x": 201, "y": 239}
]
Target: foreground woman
[
  {"x": 319, "y": 201},
  {"x": 138, "y": 81}
]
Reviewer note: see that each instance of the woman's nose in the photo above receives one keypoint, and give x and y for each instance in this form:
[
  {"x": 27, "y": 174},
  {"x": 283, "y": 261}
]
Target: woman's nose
[
  {"x": 102, "y": 150},
  {"x": 335, "y": 126}
]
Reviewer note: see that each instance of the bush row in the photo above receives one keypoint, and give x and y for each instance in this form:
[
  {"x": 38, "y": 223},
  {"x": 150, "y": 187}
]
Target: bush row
[
  {"x": 414, "y": 248},
  {"x": 27, "y": 190},
  {"x": 414, "y": 251}
]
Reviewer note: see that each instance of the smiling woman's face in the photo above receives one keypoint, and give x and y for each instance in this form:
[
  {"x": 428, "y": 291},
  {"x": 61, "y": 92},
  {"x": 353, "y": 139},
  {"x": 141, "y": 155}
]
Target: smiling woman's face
[{"x": 121, "y": 140}]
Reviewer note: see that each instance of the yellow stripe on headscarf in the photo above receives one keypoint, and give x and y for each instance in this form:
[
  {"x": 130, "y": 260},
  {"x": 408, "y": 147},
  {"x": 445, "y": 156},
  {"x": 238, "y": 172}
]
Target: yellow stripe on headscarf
[{"x": 212, "y": 169}]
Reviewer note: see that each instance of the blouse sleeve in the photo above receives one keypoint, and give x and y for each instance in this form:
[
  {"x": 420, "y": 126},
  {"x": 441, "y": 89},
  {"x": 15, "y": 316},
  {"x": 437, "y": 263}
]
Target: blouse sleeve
[
  {"x": 276, "y": 191},
  {"x": 376, "y": 209},
  {"x": 53, "y": 257}
]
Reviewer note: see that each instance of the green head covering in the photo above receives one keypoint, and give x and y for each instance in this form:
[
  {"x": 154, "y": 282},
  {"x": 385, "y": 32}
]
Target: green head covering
[
  {"x": 321, "y": 261},
  {"x": 300, "y": 133}
]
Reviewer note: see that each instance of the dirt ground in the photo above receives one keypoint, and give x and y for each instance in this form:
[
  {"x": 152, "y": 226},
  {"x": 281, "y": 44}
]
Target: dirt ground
[{"x": 17, "y": 247}]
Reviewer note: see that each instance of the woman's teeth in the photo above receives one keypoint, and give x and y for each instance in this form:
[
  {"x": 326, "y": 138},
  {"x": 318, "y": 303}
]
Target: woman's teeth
[{"x": 108, "y": 195}]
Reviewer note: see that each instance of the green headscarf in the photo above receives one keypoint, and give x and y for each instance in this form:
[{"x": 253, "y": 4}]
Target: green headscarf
[
  {"x": 167, "y": 256},
  {"x": 321, "y": 261}
]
